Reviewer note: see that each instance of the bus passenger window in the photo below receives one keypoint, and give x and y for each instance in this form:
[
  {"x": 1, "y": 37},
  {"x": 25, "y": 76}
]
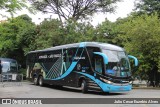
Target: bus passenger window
[{"x": 98, "y": 64}]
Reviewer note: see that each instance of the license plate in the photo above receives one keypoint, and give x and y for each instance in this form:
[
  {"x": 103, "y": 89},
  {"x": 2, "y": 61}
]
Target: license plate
[{"x": 121, "y": 88}]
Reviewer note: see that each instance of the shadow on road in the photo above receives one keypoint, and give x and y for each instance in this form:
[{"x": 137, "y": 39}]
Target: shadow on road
[{"x": 77, "y": 90}]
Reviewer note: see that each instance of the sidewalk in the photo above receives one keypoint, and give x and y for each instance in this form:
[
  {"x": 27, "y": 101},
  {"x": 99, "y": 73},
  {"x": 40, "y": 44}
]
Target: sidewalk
[{"x": 142, "y": 85}]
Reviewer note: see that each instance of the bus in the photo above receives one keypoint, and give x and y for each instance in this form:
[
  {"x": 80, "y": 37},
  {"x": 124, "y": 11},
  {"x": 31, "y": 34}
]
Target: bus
[
  {"x": 8, "y": 69},
  {"x": 87, "y": 65}
]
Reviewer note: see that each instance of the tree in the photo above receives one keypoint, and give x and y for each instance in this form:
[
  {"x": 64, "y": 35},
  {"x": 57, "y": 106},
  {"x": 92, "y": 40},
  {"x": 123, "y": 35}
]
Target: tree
[
  {"x": 140, "y": 37},
  {"x": 12, "y": 6},
  {"x": 51, "y": 33},
  {"x": 148, "y": 6},
  {"x": 74, "y": 9},
  {"x": 17, "y": 37},
  {"x": 107, "y": 32},
  {"x": 78, "y": 32}
]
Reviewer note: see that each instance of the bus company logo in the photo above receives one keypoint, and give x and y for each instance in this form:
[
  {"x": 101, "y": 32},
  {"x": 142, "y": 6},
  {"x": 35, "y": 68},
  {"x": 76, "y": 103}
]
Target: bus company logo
[
  {"x": 6, "y": 101},
  {"x": 78, "y": 58},
  {"x": 43, "y": 57},
  {"x": 50, "y": 56}
]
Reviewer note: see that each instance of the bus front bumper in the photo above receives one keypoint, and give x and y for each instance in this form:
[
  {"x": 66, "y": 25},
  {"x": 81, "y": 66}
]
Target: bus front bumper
[{"x": 117, "y": 88}]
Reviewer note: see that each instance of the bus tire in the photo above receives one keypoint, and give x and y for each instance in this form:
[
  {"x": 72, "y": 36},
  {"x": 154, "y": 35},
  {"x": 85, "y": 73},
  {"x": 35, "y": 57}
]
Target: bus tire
[
  {"x": 19, "y": 78},
  {"x": 35, "y": 80},
  {"x": 40, "y": 81},
  {"x": 84, "y": 86}
]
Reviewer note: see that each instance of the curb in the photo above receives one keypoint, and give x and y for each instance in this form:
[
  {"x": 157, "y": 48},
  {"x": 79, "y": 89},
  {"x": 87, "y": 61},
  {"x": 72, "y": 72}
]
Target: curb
[{"x": 148, "y": 88}]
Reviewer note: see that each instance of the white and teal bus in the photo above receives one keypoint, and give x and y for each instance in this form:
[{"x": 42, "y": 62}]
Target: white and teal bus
[{"x": 88, "y": 65}]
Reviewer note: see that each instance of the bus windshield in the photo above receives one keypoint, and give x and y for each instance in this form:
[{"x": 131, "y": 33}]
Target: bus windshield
[
  {"x": 118, "y": 64},
  {"x": 8, "y": 66}
]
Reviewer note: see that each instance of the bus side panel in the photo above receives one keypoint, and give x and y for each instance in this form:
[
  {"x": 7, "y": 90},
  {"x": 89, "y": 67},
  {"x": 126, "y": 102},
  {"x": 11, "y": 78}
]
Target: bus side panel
[
  {"x": 67, "y": 81},
  {"x": 53, "y": 64}
]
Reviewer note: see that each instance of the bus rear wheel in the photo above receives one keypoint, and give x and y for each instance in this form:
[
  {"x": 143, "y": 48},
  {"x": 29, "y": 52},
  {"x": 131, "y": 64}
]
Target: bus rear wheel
[
  {"x": 84, "y": 86},
  {"x": 40, "y": 81}
]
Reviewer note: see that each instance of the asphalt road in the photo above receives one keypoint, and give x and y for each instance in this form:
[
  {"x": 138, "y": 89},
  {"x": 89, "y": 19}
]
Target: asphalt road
[{"x": 28, "y": 90}]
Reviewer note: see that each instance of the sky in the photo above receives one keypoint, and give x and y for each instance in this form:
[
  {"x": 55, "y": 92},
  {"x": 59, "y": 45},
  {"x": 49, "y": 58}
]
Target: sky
[{"x": 122, "y": 10}]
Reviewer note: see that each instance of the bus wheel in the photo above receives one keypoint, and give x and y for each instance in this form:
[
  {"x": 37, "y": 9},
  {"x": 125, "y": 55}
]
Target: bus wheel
[
  {"x": 40, "y": 80},
  {"x": 19, "y": 78},
  {"x": 35, "y": 81},
  {"x": 84, "y": 86}
]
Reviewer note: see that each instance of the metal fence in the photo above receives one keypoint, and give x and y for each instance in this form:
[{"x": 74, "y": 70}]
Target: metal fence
[{"x": 8, "y": 80}]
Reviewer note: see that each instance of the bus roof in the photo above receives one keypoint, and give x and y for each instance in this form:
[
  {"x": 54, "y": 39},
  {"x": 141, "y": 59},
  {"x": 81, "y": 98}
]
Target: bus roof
[
  {"x": 83, "y": 44},
  {"x": 7, "y": 59}
]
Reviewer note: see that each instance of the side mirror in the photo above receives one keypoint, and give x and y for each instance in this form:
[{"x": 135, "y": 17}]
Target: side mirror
[
  {"x": 103, "y": 55},
  {"x": 135, "y": 59}
]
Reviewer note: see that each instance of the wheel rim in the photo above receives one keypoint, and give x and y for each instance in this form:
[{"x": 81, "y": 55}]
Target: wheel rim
[
  {"x": 40, "y": 81},
  {"x": 82, "y": 86}
]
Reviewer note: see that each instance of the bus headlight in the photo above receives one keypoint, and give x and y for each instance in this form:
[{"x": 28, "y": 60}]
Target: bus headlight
[
  {"x": 106, "y": 81},
  {"x": 109, "y": 82},
  {"x": 130, "y": 82}
]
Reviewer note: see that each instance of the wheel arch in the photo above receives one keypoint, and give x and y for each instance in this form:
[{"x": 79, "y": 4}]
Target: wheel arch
[{"x": 80, "y": 80}]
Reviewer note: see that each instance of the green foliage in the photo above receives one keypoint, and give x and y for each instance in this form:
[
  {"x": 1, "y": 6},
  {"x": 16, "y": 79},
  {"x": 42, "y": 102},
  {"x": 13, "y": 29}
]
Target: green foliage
[
  {"x": 78, "y": 32},
  {"x": 140, "y": 37},
  {"x": 51, "y": 33},
  {"x": 22, "y": 71},
  {"x": 148, "y": 6},
  {"x": 107, "y": 32},
  {"x": 16, "y": 37},
  {"x": 12, "y": 6}
]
